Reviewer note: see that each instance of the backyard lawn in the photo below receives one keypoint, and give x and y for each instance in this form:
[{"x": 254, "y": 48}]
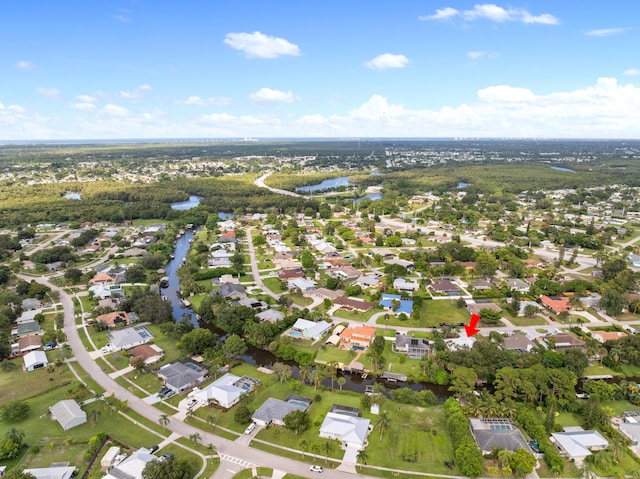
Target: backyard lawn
[
  {"x": 274, "y": 284},
  {"x": 432, "y": 313},
  {"x": 331, "y": 353},
  {"x": 355, "y": 315},
  {"x": 522, "y": 321}
]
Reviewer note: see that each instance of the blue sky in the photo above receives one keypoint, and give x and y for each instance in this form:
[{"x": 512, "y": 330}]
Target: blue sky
[{"x": 207, "y": 69}]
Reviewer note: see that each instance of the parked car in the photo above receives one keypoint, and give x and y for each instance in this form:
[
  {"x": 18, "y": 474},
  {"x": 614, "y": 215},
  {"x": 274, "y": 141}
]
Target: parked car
[
  {"x": 316, "y": 468},
  {"x": 192, "y": 403},
  {"x": 167, "y": 456},
  {"x": 250, "y": 428},
  {"x": 153, "y": 449}
]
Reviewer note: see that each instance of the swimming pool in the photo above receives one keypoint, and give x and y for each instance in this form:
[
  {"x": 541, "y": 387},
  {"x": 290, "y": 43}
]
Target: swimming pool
[
  {"x": 301, "y": 404},
  {"x": 295, "y": 334}
]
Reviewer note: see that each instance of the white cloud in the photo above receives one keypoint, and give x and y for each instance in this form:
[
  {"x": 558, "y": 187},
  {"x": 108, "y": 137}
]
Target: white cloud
[
  {"x": 605, "y": 32},
  {"x": 495, "y": 13},
  {"x": 196, "y": 100},
  {"x": 26, "y": 66},
  {"x": 83, "y": 106},
  {"x": 505, "y": 93},
  {"x": 225, "y": 119},
  {"x": 386, "y": 61},
  {"x": 475, "y": 55},
  {"x": 442, "y": 14},
  {"x": 259, "y": 45},
  {"x": 123, "y": 17},
  {"x": 48, "y": 92},
  {"x": 269, "y": 95},
  {"x": 632, "y": 72},
  {"x": 114, "y": 110},
  {"x": 137, "y": 93},
  {"x": 87, "y": 98}
]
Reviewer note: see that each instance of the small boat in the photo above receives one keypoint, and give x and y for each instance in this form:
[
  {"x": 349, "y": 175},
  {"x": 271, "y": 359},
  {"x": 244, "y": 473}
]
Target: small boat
[
  {"x": 164, "y": 282},
  {"x": 172, "y": 256}
]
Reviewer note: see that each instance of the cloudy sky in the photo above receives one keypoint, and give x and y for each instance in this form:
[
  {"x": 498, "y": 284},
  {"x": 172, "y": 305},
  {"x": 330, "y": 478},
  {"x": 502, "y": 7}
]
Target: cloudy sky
[{"x": 79, "y": 69}]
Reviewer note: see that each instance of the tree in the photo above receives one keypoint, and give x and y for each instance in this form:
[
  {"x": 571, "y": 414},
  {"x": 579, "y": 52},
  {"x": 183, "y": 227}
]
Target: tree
[
  {"x": 282, "y": 371},
  {"x": 530, "y": 311},
  {"x": 135, "y": 274},
  {"x": 486, "y": 264},
  {"x": 522, "y": 462},
  {"x": 469, "y": 459},
  {"x": 178, "y": 468},
  {"x": 297, "y": 421},
  {"x": 14, "y": 411},
  {"x": 242, "y": 415},
  {"x": 489, "y": 316},
  {"x": 234, "y": 346},
  {"x": 195, "y": 438},
  {"x": 303, "y": 445},
  {"x": 383, "y": 422},
  {"x": 197, "y": 341},
  {"x": 463, "y": 381},
  {"x": 73, "y": 275},
  {"x": 164, "y": 421},
  {"x": 327, "y": 447},
  {"x": 362, "y": 456},
  {"x": 341, "y": 381}
]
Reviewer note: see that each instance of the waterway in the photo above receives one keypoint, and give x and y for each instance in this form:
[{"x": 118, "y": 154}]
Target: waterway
[
  {"x": 192, "y": 202},
  {"x": 562, "y": 168},
  {"x": 371, "y": 196},
  {"x": 260, "y": 357},
  {"x": 329, "y": 184}
]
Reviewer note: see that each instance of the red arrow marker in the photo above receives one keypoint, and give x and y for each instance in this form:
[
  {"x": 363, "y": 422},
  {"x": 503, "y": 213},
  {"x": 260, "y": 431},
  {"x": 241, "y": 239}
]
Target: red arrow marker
[{"x": 471, "y": 327}]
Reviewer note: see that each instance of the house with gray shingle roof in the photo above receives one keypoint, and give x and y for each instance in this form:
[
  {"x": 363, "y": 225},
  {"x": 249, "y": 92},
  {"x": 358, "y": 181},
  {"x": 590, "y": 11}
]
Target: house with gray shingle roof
[
  {"x": 273, "y": 411},
  {"x": 68, "y": 413}
]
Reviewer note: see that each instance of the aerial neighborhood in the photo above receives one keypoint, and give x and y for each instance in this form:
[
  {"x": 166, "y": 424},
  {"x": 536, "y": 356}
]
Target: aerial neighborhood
[{"x": 456, "y": 327}]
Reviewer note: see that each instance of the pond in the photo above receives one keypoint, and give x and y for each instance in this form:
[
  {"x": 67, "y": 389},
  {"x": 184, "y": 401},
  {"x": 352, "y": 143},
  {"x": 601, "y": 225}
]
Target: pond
[
  {"x": 192, "y": 202},
  {"x": 462, "y": 185},
  {"x": 371, "y": 196},
  {"x": 73, "y": 196},
  {"x": 329, "y": 184},
  {"x": 562, "y": 168}
]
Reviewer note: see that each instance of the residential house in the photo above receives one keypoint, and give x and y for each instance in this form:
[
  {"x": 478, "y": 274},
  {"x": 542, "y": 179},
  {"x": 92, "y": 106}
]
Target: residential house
[
  {"x": 394, "y": 304},
  {"x": 630, "y": 426},
  {"x": 112, "y": 320},
  {"x": 604, "y": 336},
  {"x": 106, "y": 290},
  {"x": 31, "y": 303},
  {"x": 310, "y": 329},
  {"x": 557, "y": 304},
  {"x": 359, "y": 337},
  {"x": 103, "y": 278},
  {"x": 324, "y": 293},
  {"x": 289, "y": 274},
  {"x": 634, "y": 259},
  {"x": 400, "y": 262},
  {"x": 27, "y": 328},
  {"x": 497, "y": 433},
  {"x": 403, "y": 284},
  {"x": 52, "y": 472},
  {"x": 252, "y": 303},
  {"x": 446, "y": 288},
  {"x": 301, "y": 284},
  {"x": 232, "y": 291},
  {"x": 414, "y": 348},
  {"x": 28, "y": 343},
  {"x": 149, "y": 353},
  {"x": 68, "y": 414},
  {"x": 353, "y": 304},
  {"x": 565, "y": 341},
  {"x": 516, "y": 284},
  {"x": 518, "y": 342},
  {"x": 346, "y": 272},
  {"x": 481, "y": 285},
  {"x": 273, "y": 411},
  {"x": 225, "y": 391},
  {"x": 127, "y": 338},
  {"x": 271, "y": 315},
  {"x": 368, "y": 281},
  {"x": 132, "y": 466},
  {"x": 35, "y": 360},
  {"x": 475, "y": 306},
  {"x": 182, "y": 376},
  {"x": 577, "y": 444},
  {"x": 350, "y": 430}
]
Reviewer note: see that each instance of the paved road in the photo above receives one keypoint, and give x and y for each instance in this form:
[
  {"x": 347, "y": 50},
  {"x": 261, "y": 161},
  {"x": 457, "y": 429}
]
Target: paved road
[{"x": 259, "y": 182}]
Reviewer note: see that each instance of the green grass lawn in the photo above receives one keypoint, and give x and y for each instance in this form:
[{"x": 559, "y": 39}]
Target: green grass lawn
[
  {"x": 355, "y": 315},
  {"x": 630, "y": 371},
  {"x": 196, "y": 301},
  {"x": 266, "y": 265},
  {"x": 522, "y": 321},
  {"x": 398, "y": 362},
  {"x": 167, "y": 344},
  {"x": 87, "y": 303},
  {"x": 565, "y": 419},
  {"x": 331, "y": 353},
  {"x": 597, "y": 370},
  {"x": 619, "y": 407},
  {"x": 300, "y": 300},
  {"x": 432, "y": 313},
  {"x": 274, "y": 284}
]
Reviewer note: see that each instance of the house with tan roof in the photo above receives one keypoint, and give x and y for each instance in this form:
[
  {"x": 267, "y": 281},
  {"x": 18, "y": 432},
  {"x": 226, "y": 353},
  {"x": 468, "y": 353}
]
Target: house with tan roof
[
  {"x": 114, "y": 319},
  {"x": 149, "y": 353},
  {"x": 358, "y": 337},
  {"x": 353, "y": 304},
  {"x": 604, "y": 336},
  {"x": 557, "y": 304}
]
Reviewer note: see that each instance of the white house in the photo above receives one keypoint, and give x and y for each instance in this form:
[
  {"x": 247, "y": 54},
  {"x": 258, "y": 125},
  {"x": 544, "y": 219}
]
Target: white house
[
  {"x": 350, "y": 430},
  {"x": 132, "y": 466},
  {"x": 579, "y": 444},
  {"x": 68, "y": 413},
  {"x": 53, "y": 472},
  {"x": 310, "y": 329},
  {"x": 222, "y": 392},
  {"x": 402, "y": 284},
  {"x": 302, "y": 284},
  {"x": 103, "y": 291},
  {"x": 35, "y": 360},
  {"x": 129, "y": 337}
]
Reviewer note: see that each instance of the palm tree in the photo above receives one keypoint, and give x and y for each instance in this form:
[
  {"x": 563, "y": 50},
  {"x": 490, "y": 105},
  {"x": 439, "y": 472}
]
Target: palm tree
[
  {"x": 362, "y": 456},
  {"x": 305, "y": 372},
  {"x": 303, "y": 444},
  {"x": 212, "y": 450},
  {"x": 15, "y": 435},
  {"x": 586, "y": 471},
  {"x": 93, "y": 416},
  {"x": 383, "y": 422},
  {"x": 508, "y": 408},
  {"x": 195, "y": 437},
  {"x": 212, "y": 421},
  {"x": 504, "y": 456},
  {"x": 317, "y": 375},
  {"x": 341, "y": 382},
  {"x": 489, "y": 404},
  {"x": 327, "y": 447},
  {"x": 616, "y": 445},
  {"x": 164, "y": 421}
]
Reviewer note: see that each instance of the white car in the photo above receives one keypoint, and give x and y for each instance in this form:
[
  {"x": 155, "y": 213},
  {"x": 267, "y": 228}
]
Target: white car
[
  {"x": 250, "y": 428},
  {"x": 192, "y": 403},
  {"x": 316, "y": 468}
]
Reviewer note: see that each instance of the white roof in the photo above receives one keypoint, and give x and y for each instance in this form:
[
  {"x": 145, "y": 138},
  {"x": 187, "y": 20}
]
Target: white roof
[
  {"x": 221, "y": 390},
  {"x": 35, "y": 357},
  {"x": 68, "y": 413},
  {"x": 578, "y": 443},
  {"x": 311, "y": 329},
  {"x": 132, "y": 466},
  {"x": 60, "y": 472},
  {"x": 348, "y": 428}
]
